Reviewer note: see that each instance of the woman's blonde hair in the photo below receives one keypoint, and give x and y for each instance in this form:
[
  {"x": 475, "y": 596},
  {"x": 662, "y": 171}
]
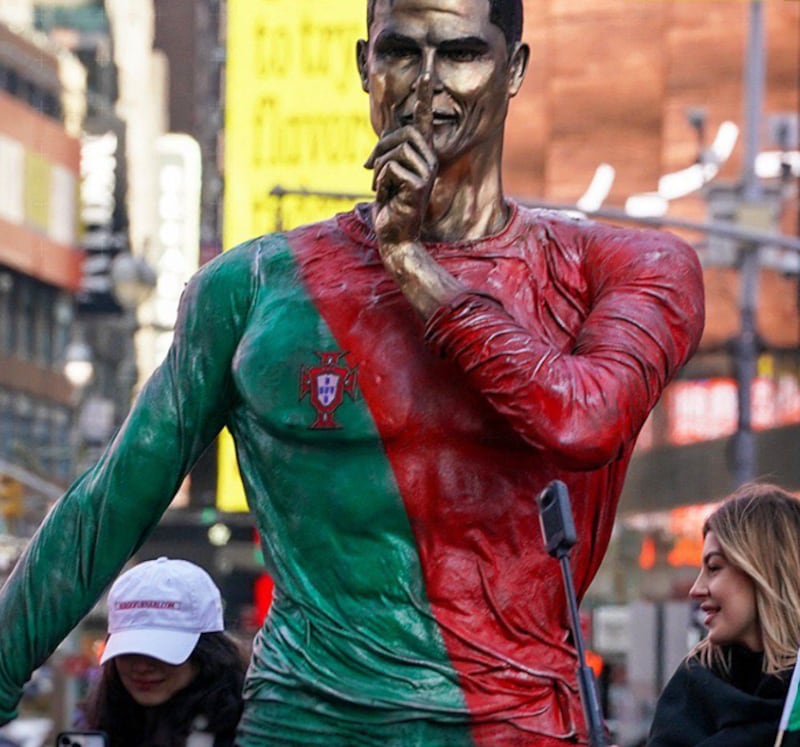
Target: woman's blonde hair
[{"x": 758, "y": 530}]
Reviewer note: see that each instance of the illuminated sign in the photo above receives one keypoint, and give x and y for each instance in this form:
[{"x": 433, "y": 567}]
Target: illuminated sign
[
  {"x": 98, "y": 180},
  {"x": 296, "y": 118},
  {"x": 99, "y": 169},
  {"x": 174, "y": 252},
  {"x": 701, "y": 410},
  {"x": 708, "y": 409}
]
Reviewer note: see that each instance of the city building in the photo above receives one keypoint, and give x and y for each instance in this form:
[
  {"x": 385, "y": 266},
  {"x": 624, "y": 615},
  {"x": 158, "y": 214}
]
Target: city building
[{"x": 41, "y": 87}]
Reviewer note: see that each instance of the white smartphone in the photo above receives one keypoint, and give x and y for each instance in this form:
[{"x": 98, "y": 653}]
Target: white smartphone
[{"x": 82, "y": 739}]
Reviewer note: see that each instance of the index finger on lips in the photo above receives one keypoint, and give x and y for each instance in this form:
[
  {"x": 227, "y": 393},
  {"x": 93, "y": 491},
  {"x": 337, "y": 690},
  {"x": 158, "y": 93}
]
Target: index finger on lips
[{"x": 423, "y": 109}]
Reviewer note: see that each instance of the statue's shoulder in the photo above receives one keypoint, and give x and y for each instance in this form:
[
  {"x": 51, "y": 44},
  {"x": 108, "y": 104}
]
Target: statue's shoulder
[
  {"x": 598, "y": 235},
  {"x": 249, "y": 256},
  {"x": 269, "y": 256},
  {"x": 532, "y": 216},
  {"x": 570, "y": 231}
]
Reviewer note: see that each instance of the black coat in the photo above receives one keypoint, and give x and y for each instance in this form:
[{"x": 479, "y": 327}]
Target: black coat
[{"x": 700, "y": 707}]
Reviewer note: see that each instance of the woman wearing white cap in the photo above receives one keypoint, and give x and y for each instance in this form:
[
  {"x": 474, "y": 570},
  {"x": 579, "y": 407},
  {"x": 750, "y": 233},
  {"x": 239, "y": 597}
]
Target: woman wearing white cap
[{"x": 168, "y": 667}]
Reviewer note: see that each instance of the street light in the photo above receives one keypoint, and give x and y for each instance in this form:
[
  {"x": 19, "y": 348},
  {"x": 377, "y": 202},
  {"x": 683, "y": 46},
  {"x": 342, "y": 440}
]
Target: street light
[
  {"x": 78, "y": 364},
  {"x": 132, "y": 280}
]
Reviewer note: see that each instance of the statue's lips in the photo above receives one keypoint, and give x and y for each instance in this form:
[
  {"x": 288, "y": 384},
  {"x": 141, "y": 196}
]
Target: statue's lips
[{"x": 439, "y": 118}]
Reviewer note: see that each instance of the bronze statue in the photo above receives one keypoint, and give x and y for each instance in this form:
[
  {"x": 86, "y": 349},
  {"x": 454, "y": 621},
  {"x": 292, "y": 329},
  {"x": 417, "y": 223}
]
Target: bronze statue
[{"x": 400, "y": 381}]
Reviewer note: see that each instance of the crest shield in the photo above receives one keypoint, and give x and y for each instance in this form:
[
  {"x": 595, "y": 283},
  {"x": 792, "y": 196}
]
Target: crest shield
[{"x": 326, "y": 384}]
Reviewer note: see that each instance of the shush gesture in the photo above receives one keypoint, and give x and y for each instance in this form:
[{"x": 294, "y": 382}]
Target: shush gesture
[
  {"x": 439, "y": 73},
  {"x": 405, "y": 167}
]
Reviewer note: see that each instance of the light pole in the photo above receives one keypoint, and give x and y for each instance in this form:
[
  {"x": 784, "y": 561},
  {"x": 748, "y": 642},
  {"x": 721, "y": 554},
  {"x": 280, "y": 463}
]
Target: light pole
[{"x": 751, "y": 200}]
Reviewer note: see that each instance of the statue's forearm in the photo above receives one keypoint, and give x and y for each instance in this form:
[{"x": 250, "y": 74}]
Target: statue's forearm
[{"x": 423, "y": 281}]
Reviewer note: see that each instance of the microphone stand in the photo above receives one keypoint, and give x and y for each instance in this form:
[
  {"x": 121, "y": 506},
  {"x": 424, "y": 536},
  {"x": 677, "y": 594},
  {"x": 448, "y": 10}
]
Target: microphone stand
[{"x": 558, "y": 530}]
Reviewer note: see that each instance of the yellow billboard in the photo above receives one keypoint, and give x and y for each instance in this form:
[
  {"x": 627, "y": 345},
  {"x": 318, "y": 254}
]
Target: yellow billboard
[{"x": 297, "y": 131}]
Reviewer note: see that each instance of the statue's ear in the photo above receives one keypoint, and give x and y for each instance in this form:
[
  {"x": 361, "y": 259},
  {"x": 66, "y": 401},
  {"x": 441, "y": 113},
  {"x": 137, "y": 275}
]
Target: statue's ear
[
  {"x": 361, "y": 61},
  {"x": 517, "y": 67}
]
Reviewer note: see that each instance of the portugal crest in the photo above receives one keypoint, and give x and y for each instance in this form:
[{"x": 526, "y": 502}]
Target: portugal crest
[{"x": 326, "y": 384}]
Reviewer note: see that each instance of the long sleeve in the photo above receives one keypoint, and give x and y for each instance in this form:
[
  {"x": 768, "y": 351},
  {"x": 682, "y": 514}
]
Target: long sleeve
[
  {"x": 584, "y": 404},
  {"x": 110, "y": 510}
]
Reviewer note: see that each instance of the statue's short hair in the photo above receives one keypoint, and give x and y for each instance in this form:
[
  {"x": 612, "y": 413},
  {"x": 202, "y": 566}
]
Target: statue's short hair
[{"x": 505, "y": 14}]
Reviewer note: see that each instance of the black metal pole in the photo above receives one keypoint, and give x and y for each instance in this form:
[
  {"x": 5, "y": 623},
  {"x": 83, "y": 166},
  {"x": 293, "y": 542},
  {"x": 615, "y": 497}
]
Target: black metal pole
[
  {"x": 586, "y": 681},
  {"x": 558, "y": 530}
]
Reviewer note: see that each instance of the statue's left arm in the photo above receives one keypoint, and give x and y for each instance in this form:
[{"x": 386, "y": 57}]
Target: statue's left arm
[
  {"x": 110, "y": 510},
  {"x": 586, "y": 404}
]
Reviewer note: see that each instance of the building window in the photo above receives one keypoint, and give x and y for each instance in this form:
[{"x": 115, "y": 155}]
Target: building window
[
  {"x": 6, "y": 321},
  {"x": 21, "y": 424},
  {"x": 42, "y": 323},
  {"x": 39, "y": 443},
  {"x": 14, "y": 314},
  {"x": 18, "y": 85},
  {"x": 51, "y": 106},
  {"x": 23, "y": 309},
  {"x": 10, "y": 81},
  {"x": 63, "y": 313},
  {"x": 6, "y": 424},
  {"x": 63, "y": 456}
]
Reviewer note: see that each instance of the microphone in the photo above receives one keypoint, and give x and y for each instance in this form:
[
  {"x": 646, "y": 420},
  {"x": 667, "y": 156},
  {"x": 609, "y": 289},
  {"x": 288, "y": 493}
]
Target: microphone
[{"x": 558, "y": 530}]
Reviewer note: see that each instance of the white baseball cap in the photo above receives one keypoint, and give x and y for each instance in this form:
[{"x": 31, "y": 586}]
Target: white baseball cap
[{"x": 159, "y": 608}]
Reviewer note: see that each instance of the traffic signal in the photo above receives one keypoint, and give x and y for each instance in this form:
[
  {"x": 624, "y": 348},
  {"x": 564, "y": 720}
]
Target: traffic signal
[
  {"x": 11, "y": 498},
  {"x": 263, "y": 588}
]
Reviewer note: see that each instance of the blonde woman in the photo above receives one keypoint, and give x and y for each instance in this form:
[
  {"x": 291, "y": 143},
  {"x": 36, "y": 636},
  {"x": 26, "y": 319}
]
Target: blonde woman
[{"x": 730, "y": 689}]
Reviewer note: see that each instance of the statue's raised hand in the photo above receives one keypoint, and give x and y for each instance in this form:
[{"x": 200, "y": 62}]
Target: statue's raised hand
[{"x": 405, "y": 167}]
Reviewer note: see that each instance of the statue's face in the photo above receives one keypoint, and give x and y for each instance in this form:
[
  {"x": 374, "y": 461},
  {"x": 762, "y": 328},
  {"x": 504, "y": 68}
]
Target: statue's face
[{"x": 466, "y": 56}]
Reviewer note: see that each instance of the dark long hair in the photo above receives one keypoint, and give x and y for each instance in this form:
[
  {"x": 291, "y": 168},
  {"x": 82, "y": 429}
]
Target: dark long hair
[{"x": 215, "y": 693}]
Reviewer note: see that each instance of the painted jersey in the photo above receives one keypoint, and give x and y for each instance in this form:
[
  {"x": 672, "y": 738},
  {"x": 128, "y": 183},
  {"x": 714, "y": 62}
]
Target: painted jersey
[{"x": 391, "y": 467}]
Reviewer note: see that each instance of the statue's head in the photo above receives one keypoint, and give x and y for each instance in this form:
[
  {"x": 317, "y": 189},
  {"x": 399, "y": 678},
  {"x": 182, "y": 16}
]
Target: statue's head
[{"x": 469, "y": 50}]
